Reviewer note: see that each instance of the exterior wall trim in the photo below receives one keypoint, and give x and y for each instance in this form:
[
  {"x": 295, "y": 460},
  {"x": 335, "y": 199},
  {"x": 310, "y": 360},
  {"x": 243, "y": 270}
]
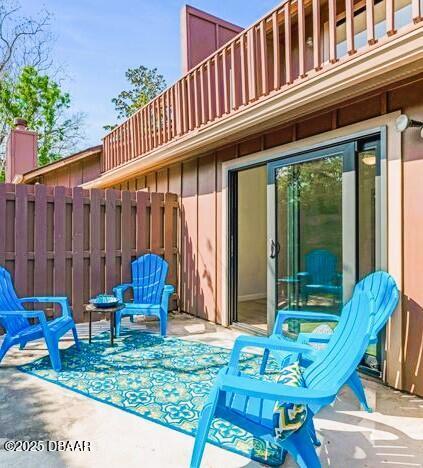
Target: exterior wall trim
[
  {"x": 30, "y": 176},
  {"x": 391, "y": 215}
]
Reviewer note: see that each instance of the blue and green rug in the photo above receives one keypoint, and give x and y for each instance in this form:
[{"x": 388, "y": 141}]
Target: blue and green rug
[{"x": 165, "y": 380}]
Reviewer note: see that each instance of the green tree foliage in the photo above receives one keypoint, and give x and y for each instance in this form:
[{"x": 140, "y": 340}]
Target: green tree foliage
[
  {"x": 145, "y": 83},
  {"x": 41, "y": 102}
]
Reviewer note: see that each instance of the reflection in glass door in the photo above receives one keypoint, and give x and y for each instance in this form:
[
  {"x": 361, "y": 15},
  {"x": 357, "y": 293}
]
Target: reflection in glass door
[
  {"x": 322, "y": 232},
  {"x": 313, "y": 249}
]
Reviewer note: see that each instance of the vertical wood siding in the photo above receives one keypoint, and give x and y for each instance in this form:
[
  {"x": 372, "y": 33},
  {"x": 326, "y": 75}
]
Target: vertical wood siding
[{"x": 198, "y": 184}]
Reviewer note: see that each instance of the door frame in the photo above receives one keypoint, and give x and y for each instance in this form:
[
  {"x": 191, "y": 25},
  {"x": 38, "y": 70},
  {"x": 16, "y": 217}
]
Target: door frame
[{"x": 391, "y": 212}]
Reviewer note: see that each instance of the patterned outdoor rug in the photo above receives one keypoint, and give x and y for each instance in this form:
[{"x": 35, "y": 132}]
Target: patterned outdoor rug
[{"x": 163, "y": 380}]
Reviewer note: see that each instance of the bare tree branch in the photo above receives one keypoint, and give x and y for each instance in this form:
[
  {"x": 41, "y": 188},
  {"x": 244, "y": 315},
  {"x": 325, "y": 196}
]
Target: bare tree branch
[{"x": 23, "y": 40}]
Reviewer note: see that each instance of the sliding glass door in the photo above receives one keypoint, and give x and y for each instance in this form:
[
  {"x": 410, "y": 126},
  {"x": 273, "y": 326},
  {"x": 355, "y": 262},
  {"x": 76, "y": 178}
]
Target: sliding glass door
[{"x": 303, "y": 230}]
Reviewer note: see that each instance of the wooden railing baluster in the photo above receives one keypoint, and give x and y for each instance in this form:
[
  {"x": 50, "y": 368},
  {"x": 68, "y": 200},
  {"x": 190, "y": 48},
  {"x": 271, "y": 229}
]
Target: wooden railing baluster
[
  {"x": 416, "y": 10},
  {"x": 349, "y": 18},
  {"x": 217, "y": 85},
  {"x": 332, "y": 31},
  {"x": 301, "y": 39},
  {"x": 317, "y": 42},
  {"x": 276, "y": 52},
  {"x": 390, "y": 18},
  {"x": 263, "y": 57},
  {"x": 288, "y": 48},
  {"x": 227, "y": 80},
  {"x": 251, "y": 65}
]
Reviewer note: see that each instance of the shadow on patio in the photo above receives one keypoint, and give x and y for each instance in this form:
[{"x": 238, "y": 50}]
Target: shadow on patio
[{"x": 37, "y": 410}]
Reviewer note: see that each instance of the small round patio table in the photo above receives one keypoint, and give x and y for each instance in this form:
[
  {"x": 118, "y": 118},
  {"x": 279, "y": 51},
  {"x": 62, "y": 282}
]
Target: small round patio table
[{"x": 91, "y": 308}]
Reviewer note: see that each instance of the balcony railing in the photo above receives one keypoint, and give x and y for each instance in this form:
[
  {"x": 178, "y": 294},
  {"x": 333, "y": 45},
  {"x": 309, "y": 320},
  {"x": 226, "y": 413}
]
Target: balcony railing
[{"x": 295, "y": 40}]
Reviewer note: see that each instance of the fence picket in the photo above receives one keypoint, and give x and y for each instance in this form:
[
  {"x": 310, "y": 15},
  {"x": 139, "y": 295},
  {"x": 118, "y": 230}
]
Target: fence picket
[
  {"x": 110, "y": 228},
  {"x": 40, "y": 240},
  {"x": 77, "y": 253},
  {"x": 95, "y": 242},
  {"x": 3, "y": 224},
  {"x": 59, "y": 242},
  {"x": 156, "y": 199},
  {"x": 126, "y": 236},
  {"x": 21, "y": 240}
]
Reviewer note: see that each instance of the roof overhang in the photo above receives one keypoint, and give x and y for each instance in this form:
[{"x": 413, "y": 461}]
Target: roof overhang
[
  {"x": 388, "y": 62},
  {"x": 59, "y": 164}
]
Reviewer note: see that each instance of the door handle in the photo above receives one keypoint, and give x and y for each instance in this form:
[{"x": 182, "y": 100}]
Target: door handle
[{"x": 275, "y": 248}]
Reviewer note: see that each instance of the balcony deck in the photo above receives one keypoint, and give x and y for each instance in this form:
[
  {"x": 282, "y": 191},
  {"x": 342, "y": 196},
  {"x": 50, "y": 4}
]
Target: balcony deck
[{"x": 303, "y": 55}]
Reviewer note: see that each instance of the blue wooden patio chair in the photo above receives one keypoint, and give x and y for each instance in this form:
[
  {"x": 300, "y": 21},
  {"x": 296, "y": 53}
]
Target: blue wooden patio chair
[
  {"x": 321, "y": 275},
  {"x": 14, "y": 319},
  {"x": 151, "y": 294},
  {"x": 249, "y": 403},
  {"x": 385, "y": 292}
]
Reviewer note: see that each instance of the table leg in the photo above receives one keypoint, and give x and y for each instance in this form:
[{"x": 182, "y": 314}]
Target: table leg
[
  {"x": 89, "y": 330},
  {"x": 112, "y": 331}
]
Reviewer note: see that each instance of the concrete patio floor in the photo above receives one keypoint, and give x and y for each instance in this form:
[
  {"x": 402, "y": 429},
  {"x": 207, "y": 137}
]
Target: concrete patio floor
[{"x": 33, "y": 409}]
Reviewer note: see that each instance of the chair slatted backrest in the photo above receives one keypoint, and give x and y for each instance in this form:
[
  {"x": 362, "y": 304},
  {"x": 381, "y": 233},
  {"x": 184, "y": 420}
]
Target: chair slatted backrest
[
  {"x": 148, "y": 278},
  {"x": 9, "y": 301},
  {"x": 339, "y": 359},
  {"x": 385, "y": 292},
  {"x": 321, "y": 265}
]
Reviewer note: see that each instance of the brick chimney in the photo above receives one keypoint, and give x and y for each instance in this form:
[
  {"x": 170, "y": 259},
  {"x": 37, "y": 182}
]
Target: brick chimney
[{"x": 21, "y": 151}]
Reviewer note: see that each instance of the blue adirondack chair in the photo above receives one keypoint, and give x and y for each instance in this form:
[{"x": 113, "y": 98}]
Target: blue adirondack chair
[
  {"x": 382, "y": 287},
  {"x": 14, "y": 319},
  {"x": 151, "y": 294},
  {"x": 320, "y": 275},
  {"x": 249, "y": 402}
]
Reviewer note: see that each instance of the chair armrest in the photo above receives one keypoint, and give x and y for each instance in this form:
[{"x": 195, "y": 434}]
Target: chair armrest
[
  {"x": 39, "y": 314},
  {"x": 274, "y": 391},
  {"x": 284, "y": 315},
  {"x": 119, "y": 291},
  {"x": 168, "y": 290},
  {"x": 305, "y": 338},
  {"x": 63, "y": 301},
  {"x": 265, "y": 343}
]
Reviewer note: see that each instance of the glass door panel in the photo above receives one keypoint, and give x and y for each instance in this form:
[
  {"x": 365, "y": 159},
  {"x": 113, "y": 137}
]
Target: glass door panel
[
  {"x": 313, "y": 240},
  {"x": 368, "y": 164}
]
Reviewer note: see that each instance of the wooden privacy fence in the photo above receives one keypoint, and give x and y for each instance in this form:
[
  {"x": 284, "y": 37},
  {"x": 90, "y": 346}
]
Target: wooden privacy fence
[{"x": 79, "y": 243}]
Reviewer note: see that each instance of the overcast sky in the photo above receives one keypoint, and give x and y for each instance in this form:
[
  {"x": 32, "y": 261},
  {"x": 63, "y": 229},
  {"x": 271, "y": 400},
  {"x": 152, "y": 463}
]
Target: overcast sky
[{"x": 96, "y": 41}]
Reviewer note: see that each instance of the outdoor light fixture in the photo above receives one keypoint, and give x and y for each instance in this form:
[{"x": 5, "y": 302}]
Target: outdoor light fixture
[
  {"x": 369, "y": 160},
  {"x": 309, "y": 42},
  {"x": 403, "y": 122}
]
